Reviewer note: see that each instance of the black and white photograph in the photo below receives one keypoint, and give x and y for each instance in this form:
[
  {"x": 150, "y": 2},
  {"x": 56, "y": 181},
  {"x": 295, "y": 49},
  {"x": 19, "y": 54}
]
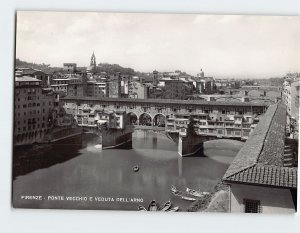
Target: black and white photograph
[{"x": 156, "y": 112}]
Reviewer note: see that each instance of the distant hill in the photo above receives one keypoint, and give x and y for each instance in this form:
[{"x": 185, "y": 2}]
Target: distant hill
[
  {"x": 113, "y": 68},
  {"x": 25, "y": 64},
  {"x": 102, "y": 67},
  {"x": 43, "y": 67}
]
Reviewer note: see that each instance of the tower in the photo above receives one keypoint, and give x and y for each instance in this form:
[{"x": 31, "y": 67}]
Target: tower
[
  {"x": 92, "y": 68},
  {"x": 93, "y": 60},
  {"x": 155, "y": 78}
]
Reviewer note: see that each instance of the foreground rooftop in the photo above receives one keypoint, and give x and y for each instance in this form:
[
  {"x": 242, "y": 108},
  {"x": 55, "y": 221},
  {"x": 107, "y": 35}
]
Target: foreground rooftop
[{"x": 260, "y": 160}]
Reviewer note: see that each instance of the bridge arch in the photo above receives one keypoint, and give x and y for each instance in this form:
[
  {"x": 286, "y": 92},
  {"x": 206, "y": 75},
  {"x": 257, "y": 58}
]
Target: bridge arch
[
  {"x": 159, "y": 120},
  {"x": 133, "y": 118},
  {"x": 145, "y": 119}
]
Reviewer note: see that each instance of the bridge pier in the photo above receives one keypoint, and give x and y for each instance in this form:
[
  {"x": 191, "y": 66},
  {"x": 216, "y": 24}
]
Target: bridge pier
[{"x": 189, "y": 143}]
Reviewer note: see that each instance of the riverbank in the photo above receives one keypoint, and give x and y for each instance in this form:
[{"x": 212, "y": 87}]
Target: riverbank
[{"x": 216, "y": 201}]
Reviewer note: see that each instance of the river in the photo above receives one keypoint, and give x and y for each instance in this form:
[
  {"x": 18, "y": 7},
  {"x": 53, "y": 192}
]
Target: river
[{"x": 74, "y": 167}]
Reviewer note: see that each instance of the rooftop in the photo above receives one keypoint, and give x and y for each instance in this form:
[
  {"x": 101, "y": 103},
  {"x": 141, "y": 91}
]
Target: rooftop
[
  {"x": 166, "y": 101},
  {"x": 260, "y": 160},
  {"x": 26, "y": 79}
]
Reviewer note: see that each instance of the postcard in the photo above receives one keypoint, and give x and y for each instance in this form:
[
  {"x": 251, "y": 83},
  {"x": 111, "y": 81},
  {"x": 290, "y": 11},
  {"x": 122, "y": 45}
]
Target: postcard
[{"x": 156, "y": 112}]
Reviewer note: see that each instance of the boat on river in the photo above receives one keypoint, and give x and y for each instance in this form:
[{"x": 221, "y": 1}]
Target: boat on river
[
  {"x": 194, "y": 192},
  {"x": 153, "y": 206},
  {"x": 136, "y": 168},
  {"x": 174, "y": 209},
  {"x": 166, "y": 206},
  {"x": 142, "y": 208},
  {"x": 188, "y": 198},
  {"x": 182, "y": 194},
  {"x": 173, "y": 188},
  {"x": 98, "y": 146}
]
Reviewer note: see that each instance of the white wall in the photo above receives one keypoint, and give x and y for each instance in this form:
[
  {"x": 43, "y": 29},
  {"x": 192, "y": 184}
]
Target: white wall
[{"x": 272, "y": 200}]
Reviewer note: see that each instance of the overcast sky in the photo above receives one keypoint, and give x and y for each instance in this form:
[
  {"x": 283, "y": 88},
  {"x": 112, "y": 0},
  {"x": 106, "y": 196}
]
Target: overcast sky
[{"x": 237, "y": 46}]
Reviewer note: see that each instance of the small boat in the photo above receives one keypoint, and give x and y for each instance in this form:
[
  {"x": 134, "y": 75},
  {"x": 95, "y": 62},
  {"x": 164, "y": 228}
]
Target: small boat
[
  {"x": 188, "y": 198},
  {"x": 173, "y": 188},
  {"x": 194, "y": 192},
  {"x": 174, "y": 209},
  {"x": 166, "y": 206},
  {"x": 183, "y": 196},
  {"x": 142, "y": 208},
  {"x": 98, "y": 146},
  {"x": 136, "y": 168},
  {"x": 152, "y": 206}
]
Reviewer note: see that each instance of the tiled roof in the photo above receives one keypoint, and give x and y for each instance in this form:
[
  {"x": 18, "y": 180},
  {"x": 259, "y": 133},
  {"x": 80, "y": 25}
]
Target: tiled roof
[
  {"x": 167, "y": 101},
  {"x": 26, "y": 79},
  {"x": 30, "y": 71},
  {"x": 273, "y": 150},
  {"x": 260, "y": 160},
  {"x": 267, "y": 175}
]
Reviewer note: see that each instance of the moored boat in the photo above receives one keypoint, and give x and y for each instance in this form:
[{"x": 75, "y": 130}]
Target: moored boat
[
  {"x": 153, "y": 206},
  {"x": 174, "y": 209},
  {"x": 142, "y": 208},
  {"x": 166, "y": 206},
  {"x": 173, "y": 188},
  {"x": 188, "y": 198},
  {"x": 194, "y": 192}
]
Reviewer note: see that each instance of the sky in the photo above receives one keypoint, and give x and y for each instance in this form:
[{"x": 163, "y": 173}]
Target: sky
[{"x": 222, "y": 45}]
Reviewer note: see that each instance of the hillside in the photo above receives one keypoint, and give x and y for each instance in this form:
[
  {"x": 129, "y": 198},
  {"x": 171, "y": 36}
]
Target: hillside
[
  {"x": 113, "y": 68},
  {"x": 102, "y": 67}
]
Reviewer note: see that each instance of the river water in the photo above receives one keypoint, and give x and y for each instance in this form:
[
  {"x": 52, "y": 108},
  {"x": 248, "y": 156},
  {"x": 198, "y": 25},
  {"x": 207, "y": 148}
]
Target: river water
[{"x": 104, "y": 179}]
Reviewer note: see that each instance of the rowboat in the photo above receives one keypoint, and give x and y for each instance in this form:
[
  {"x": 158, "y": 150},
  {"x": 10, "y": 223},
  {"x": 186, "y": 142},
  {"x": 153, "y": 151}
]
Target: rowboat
[
  {"x": 194, "y": 192},
  {"x": 136, "y": 168},
  {"x": 174, "y": 209},
  {"x": 166, "y": 206},
  {"x": 173, "y": 188},
  {"x": 183, "y": 196},
  {"x": 142, "y": 208},
  {"x": 188, "y": 198},
  {"x": 152, "y": 206}
]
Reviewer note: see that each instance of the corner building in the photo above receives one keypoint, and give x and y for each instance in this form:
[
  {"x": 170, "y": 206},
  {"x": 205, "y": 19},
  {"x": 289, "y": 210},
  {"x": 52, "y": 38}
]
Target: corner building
[{"x": 35, "y": 111}]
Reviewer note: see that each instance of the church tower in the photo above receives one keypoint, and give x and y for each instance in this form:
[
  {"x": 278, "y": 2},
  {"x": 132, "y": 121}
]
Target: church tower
[
  {"x": 92, "y": 68},
  {"x": 93, "y": 60}
]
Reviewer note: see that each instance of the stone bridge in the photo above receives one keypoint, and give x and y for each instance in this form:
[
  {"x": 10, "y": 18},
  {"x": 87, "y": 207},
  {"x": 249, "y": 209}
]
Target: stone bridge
[
  {"x": 206, "y": 119},
  {"x": 153, "y": 112}
]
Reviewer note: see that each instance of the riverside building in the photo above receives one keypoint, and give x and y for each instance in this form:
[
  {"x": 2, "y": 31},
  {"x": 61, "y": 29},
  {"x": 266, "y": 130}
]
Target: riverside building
[{"x": 35, "y": 110}]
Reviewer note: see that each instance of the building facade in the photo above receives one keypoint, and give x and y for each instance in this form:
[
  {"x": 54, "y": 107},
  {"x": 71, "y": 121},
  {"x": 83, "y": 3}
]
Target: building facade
[
  {"x": 35, "y": 111},
  {"x": 69, "y": 68},
  {"x": 177, "y": 89},
  {"x": 137, "y": 90},
  {"x": 114, "y": 86}
]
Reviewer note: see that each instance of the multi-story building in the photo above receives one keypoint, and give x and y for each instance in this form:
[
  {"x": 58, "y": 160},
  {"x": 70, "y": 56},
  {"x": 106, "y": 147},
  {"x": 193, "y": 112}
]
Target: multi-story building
[
  {"x": 206, "y": 86},
  {"x": 290, "y": 97},
  {"x": 96, "y": 89},
  {"x": 70, "y": 68},
  {"x": 137, "y": 90},
  {"x": 177, "y": 89},
  {"x": 75, "y": 87},
  {"x": 216, "y": 124},
  {"x": 35, "y": 110},
  {"x": 60, "y": 85},
  {"x": 114, "y": 86},
  {"x": 155, "y": 78},
  {"x": 112, "y": 119},
  {"x": 34, "y": 73}
]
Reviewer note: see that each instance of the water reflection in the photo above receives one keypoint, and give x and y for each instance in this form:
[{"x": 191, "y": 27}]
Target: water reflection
[{"x": 81, "y": 169}]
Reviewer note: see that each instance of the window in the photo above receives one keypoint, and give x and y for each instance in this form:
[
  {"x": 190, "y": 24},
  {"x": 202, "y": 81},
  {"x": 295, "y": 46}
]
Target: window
[{"x": 252, "y": 206}]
